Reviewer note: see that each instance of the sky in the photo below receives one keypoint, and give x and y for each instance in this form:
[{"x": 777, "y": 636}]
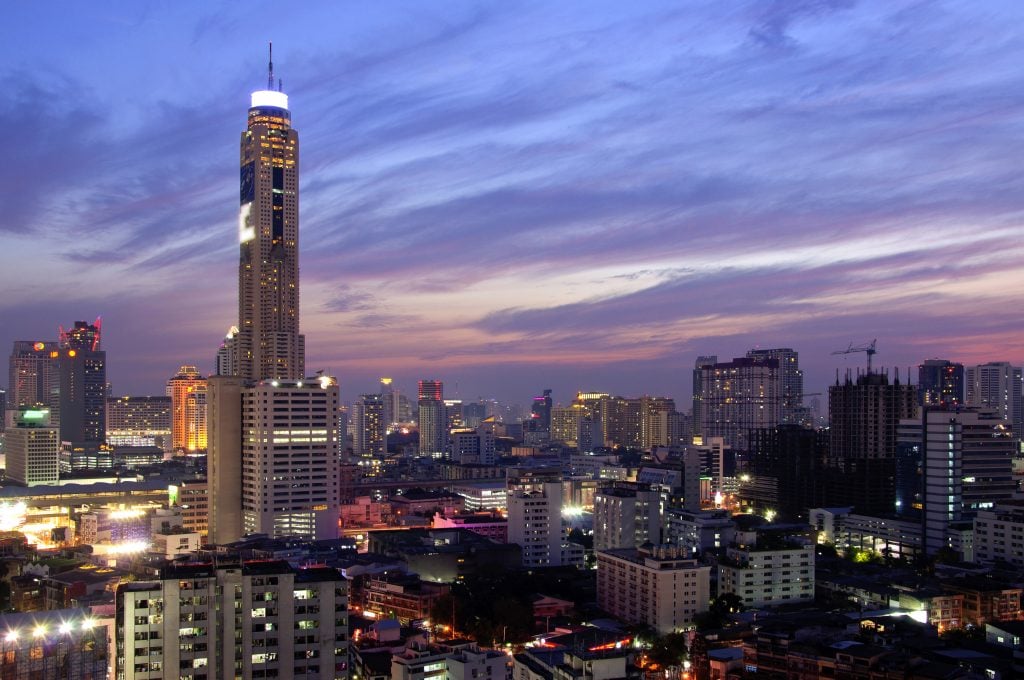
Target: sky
[{"x": 523, "y": 195}]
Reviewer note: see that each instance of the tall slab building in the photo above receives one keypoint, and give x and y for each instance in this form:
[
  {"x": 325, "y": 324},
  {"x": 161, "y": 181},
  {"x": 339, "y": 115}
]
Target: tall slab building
[
  {"x": 273, "y": 434},
  {"x": 269, "y": 344}
]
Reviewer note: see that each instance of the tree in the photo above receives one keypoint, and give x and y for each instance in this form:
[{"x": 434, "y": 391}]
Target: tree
[{"x": 668, "y": 650}]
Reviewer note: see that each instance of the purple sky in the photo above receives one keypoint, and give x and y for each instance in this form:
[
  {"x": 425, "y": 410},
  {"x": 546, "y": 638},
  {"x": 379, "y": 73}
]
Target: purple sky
[{"x": 511, "y": 196}]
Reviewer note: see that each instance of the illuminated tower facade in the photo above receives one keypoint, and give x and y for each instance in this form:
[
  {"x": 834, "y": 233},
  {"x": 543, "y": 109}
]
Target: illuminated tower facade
[
  {"x": 187, "y": 390},
  {"x": 268, "y": 345},
  {"x": 82, "y": 379}
]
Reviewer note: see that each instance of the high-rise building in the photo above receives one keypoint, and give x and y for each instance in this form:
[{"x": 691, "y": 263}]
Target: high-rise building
[
  {"x": 541, "y": 411},
  {"x": 535, "y": 518},
  {"x": 139, "y": 421},
  {"x": 940, "y": 383},
  {"x": 738, "y": 396},
  {"x": 791, "y": 380},
  {"x": 473, "y": 445},
  {"x": 389, "y": 398},
  {"x": 32, "y": 376},
  {"x": 32, "y": 448},
  {"x": 187, "y": 390},
  {"x": 274, "y": 436},
  {"x": 997, "y": 385},
  {"x": 433, "y": 428},
  {"x": 269, "y": 344},
  {"x": 967, "y": 466},
  {"x": 865, "y": 414},
  {"x": 626, "y": 515},
  {"x": 82, "y": 384},
  {"x": 699, "y": 365},
  {"x": 249, "y": 620},
  {"x": 226, "y": 361},
  {"x": 430, "y": 389},
  {"x": 654, "y": 586},
  {"x": 787, "y": 469},
  {"x": 368, "y": 425}
]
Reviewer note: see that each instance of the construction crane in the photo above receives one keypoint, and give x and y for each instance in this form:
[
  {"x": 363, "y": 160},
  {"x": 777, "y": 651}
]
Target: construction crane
[{"x": 867, "y": 349}]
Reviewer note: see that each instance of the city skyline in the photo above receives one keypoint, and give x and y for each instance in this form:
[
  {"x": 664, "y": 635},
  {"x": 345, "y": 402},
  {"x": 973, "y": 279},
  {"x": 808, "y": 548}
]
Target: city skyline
[{"x": 524, "y": 197}]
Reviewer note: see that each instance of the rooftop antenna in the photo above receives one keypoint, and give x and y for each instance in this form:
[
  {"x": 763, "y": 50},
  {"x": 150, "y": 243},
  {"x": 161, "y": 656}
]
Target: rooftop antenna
[{"x": 270, "y": 67}]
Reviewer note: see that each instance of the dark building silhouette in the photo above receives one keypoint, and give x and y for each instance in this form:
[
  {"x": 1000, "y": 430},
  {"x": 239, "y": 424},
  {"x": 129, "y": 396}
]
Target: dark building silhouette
[
  {"x": 940, "y": 383},
  {"x": 865, "y": 415},
  {"x": 788, "y": 471}
]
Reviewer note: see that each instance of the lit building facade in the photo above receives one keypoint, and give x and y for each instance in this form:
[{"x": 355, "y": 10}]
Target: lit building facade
[
  {"x": 82, "y": 384},
  {"x": 940, "y": 383},
  {"x": 32, "y": 378},
  {"x": 369, "y": 425},
  {"x": 791, "y": 380},
  {"x": 772, "y": 574},
  {"x": 997, "y": 385},
  {"x": 187, "y": 390},
  {"x": 269, "y": 345},
  {"x": 626, "y": 515},
  {"x": 32, "y": 448},
  {"x": 291, "y": 459},
  {"x": 63, "y": 644},
  {"x": 653, "y": 586},
  {"x": 249, "y": 620},
  {"x": 738, "y": 396},
  {"x": 139, "y": 421},
  {"x": 535, "y": 520}
]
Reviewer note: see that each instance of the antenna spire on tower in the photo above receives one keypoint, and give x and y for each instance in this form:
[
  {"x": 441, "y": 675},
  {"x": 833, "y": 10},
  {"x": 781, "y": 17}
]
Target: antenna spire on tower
[{"x": 270, "y": 67}]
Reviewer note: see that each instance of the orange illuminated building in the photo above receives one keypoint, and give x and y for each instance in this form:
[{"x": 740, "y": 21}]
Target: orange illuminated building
[{"x": 187, "y": 390}]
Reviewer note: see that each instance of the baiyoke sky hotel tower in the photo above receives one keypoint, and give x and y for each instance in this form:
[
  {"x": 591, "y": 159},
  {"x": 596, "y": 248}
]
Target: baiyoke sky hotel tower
[{"x": 274, "y": 435}]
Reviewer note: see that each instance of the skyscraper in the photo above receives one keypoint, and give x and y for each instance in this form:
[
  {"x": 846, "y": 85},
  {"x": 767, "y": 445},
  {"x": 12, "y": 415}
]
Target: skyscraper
[
  {"x": 268, "y": 344},
  {"x": 739, "y": 396},
  {"x": 82, "y": 381},
  {"x": 187, "y": 390},
  {"x": 31, "y": 446},
  {"x": 369, "y": 425},
  {"x": 997, "y": 385},
  {"x": 274, "y": 436},
  {"x": 791, "y": 380},
  {"x": 32, "y": 377},
  {"x": 865, "y": 414},
  {"x": 940, "y": 383},
  {"x": 698, "y": 389}
]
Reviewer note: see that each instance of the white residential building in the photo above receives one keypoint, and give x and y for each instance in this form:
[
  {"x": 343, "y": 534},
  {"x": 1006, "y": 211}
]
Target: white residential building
[
  {"x": 653, "y": 586},
  {"x": 32, "y": 448},
  {"x": 999, "y": 534},
  {"x": 535, "y": 520},
  {"x": 773, "y": 573},
  {"x": 626, "y": 515},
  {"x": 254, "y": 620}
]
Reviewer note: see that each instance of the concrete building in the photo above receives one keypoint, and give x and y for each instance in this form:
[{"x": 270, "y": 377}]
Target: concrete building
[
  {"x": 141, "y": 421},
  {"x": 32, "y": 448},
  {"x": 472, "y": 446},
  {"x": 739, "y": 396},
  {"x": 433, "y": 427},
  {"x": 81, "y": 368},
  {"x": 491, "y": 496},
  {"x": 653, "y": 586},
  {"x": 269, "y": 345},
  {"x": 187, "y": 390},
  {"x": 967, "y": 465},
  {"x": 535, "y": 518},
  {"x": 695, "y": 532},
  {"x": 997, "y": 386},
  {"x": 369, "y": 425},
  {"x": 999, "y": 534},
  {"x": 865, "y": 414},
  {"x": 940, "y": 383},
  {"x": 191, "y": 498},
  {"x": 769, "y": 571},
  {"x": 32, "y": 376},
  {"x": 791, "y": 380},
  {"x": 626, "y": 515},
  {"x": 255, "y": 619}
]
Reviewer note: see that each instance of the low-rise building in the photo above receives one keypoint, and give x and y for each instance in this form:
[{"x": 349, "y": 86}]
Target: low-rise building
[
  {"x": 772, "y": 571},
  {"x": 401, "y": 596},
  {"x": 999, "y": 534},
  {"x": 986, "y": 600},
  {"x": 488, "y": 525},
  {"x": 655, "y": 586},
  {"x": 696, "y": 532}
]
